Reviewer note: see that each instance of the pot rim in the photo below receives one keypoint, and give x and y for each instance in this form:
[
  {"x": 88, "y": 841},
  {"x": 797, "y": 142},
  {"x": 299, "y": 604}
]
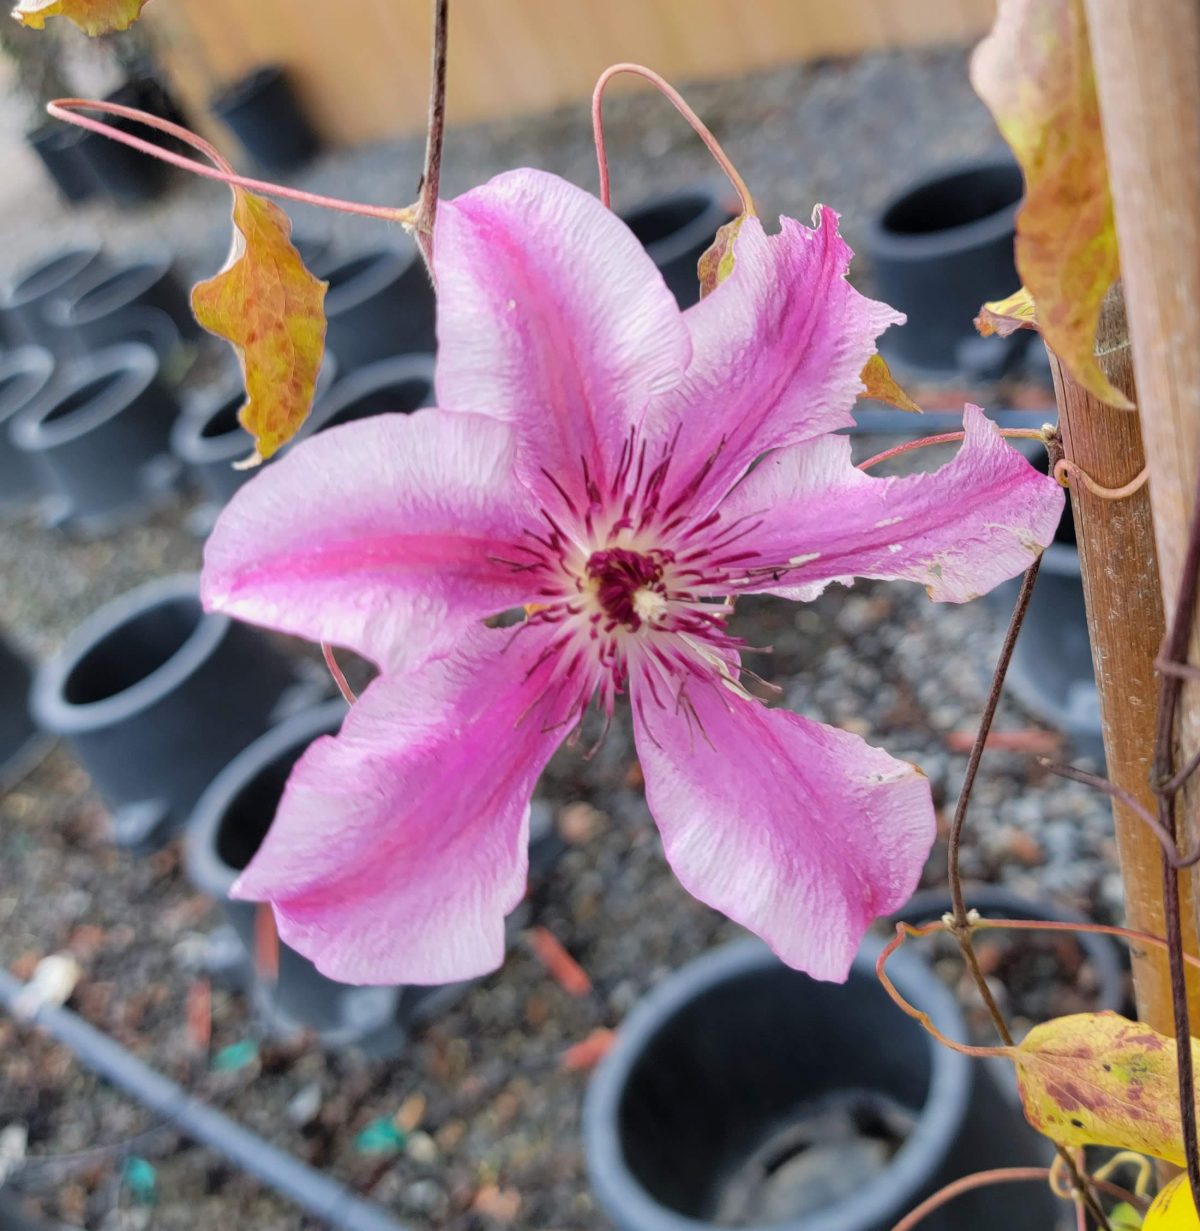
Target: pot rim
[
  {"x": 361, "y": 382},
  {"x": 18, "y": 294},
  {"x": 31, "y": 368},
  {"x": 205, "y": 868},
  {"x": 699, "y": 229},
  {"x": 883, "y": 242},
  {"x": 135, "y": 367},
  {"x": 54, "y": 712},
  {"x": 71, "y": 312},
  {"x": 632, "y": 1208},
  {"x": 237, "y": 93},
  {"x": 383, "y": 266}
]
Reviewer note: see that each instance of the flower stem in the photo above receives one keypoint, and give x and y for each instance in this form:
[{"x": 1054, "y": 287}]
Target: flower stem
[
  {"x": 698, "y": 126},
  {"x": 425, "y": 213},
  {"x": 943, "y": 438},
  {"x": 68, "y": 109}
]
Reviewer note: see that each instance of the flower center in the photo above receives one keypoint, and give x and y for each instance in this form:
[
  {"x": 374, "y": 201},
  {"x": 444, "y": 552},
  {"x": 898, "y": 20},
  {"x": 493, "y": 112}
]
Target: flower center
[{"x": 629, "y": 584}]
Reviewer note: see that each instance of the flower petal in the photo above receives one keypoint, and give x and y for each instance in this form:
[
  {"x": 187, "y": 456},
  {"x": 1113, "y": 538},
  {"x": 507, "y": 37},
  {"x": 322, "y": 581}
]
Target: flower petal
[
  {"x": 798, "y": 831},
  {"x": 980, "y": 519},
  {"x": 401, "y": 844},
  {"x": 386, "y": 536},
  {"x": 778, "y": 349},
  {"x": 552, "y": 316}
]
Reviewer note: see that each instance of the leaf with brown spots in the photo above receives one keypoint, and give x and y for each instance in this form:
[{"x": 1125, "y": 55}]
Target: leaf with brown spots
[
  {"x": 716, "y": 262},
  {"x": 1100, "y": 1079},
  {"x": 1034, "y": 72},
  {"x": 880, "y": 385},
  {"x": 1174, "y": 1209},
  {"x": 1005, "y": 316},
  {"x": 267, "y": 304},
  {"x": 91, "y": 16}
]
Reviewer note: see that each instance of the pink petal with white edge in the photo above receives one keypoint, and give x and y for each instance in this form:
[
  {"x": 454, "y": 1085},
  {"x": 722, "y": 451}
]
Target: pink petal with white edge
[
  {"x": 779, "y": 349},
  {"x": 960, "y": 530},
  {"x": 386, "y": 536},
  {"x": 552, "y": 316},
  {"x": 401, "y": 844},
  {"x": 800, "y": 832}
]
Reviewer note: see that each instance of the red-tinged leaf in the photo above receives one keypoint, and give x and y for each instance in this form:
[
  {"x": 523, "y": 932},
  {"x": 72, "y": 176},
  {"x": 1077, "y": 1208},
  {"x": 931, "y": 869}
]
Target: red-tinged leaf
[
  {"x": 91, "y": 16},
  {"x": 716, "y": 264},
  {"x": 881, "y": 386},
  {"x": 272, "y": 310},
  {"x": 1100, "y": 1079},
  {"x": 1005, "y": 316},
  {"x": 1034, "y": 71},
  {"x": 562, "y": 967}
]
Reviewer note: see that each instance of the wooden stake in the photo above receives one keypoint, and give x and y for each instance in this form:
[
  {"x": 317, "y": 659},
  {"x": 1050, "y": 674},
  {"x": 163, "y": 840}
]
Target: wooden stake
[
  {"x": 1147, "y": 58},
  {"x": 1125, "y": 618}
]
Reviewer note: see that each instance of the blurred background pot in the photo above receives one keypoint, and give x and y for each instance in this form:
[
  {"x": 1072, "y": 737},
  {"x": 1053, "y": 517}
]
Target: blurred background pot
[
  {"x": 27, "y": 298},
  {"x": 18, "y": 735},
  {"x": 379, "y": 305},
  {"x": 115, "y": 303},
  {"x": 58, "y": 146},
  {"x": 208, "y": 439},
  {"x": 102, "y": 436},
  {"x": 263, "y": 112},
  {"x": 742, "y": 1093},
  {"x": 677, "y": 229},
  {"x": 25, "y": 375},
  {"x": 225, "y": 831},
  {"x": 127, "y": 176},
  {"x": 391, "y": 386},
  {"x": 940, "y": 249},
  {"x": 154, "y": 696}
]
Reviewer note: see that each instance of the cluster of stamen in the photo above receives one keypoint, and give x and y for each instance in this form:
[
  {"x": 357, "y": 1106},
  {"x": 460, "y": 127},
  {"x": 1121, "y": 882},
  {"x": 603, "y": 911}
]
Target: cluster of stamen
[{"x": 629, "y": 578}]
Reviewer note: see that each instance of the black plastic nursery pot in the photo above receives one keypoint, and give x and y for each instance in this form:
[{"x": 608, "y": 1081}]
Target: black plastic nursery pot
[
  {"x": 224, "y": 833},
  {"x": 676, "y": 230},
  {"x": 26, "y": 300},
  {"x": 25, "y": 375},
  {"x": 58, "y": 146},
  {"x": 390, "y": 386},
  {"x": 742, "y": 1093},
  {"x": 379, "y": 305},
  {"x": 939, "y": 251},
  {"x": 265, "y": 115},
  {"x": 208, "y": 439},
  {"x": 154, "y": 697},
  {"x": 122, "y": 303},
  {"x": 17, "y": 730},
  {"x": 126, "y": 175},
  {"x": 318, "y": 252},
  {"x": 101, "y": 435}
]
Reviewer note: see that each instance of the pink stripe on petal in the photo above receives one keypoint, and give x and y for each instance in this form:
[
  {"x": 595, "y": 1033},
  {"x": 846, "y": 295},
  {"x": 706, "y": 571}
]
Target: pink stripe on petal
[
  {"x": 387, "y": 536},
  {"x": 779, "y": 348},
  {"x": 960, "y": 530},
  {"x": 401, "y": 844},
  {"x": 552, "y": 316},
  {"x": 800, "y": 832}
]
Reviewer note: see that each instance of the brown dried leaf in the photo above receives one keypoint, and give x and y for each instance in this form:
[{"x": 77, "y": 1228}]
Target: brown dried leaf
[
  {"x": 1005, "y": 316},
  {"x": 91, "y": 16},
  {"x": 881, "y": 385},
  {"x": 716, "y": 264},
  {"x": 267, "y": 304},
  {"x": 1034, "y": 72}
]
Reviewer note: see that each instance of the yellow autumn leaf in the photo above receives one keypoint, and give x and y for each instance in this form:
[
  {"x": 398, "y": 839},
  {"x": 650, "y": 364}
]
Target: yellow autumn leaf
[
  {"x": 1173, "y": 1209},
  {"x": 1005, "y": 316},
  {"x": 716, "y": 263},
  {"x": 1034, "y": 72},
  {"x": 1100, "y": 1079},
  {"x": 881, "y": 385},
  {"x": 267, "y": 304},
  {"x": 91, "y": 16}
]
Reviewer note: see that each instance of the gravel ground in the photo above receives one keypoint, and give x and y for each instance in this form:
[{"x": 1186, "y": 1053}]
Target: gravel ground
[{"x": 490, "y": 1110}]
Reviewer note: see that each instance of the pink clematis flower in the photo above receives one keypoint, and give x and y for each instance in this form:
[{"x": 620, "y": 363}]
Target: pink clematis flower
[{"x": 590, "y": 457}]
